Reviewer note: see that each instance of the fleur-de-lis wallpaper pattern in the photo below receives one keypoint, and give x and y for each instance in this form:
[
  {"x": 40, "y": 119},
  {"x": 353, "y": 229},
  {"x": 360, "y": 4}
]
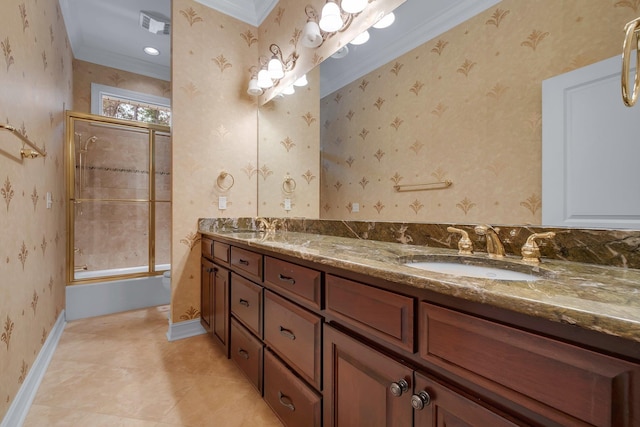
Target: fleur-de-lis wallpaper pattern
[
  {"x": 85, "y": 73},
  {"x": 465, "y": 107},
  {"x": 214, "y": 128},
  {"x": 35, "y": 88},
  {"x": 289, "y": 146}
]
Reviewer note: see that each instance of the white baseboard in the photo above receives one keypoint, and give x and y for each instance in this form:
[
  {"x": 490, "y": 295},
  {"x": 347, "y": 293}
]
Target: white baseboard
[
  {"x": 19, "y": 409},
  {"x": 97, "y": 299},
  {"x": 181, "y": 330}
]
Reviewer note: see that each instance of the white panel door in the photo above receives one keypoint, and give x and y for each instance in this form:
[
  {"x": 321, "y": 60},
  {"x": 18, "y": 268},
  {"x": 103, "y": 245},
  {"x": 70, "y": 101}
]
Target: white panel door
[{"x": 590, "y": 150}]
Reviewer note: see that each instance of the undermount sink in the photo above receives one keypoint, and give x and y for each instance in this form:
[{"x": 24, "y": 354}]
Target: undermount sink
[{"x": 471, "y": 267}]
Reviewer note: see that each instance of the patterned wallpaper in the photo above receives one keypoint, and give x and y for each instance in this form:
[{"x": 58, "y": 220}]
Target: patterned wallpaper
[
  {"x": 289, "y": 146},
  {"x": 214, "y": 129},
  {"x": 85, "y": 73},
  {"x": 35, "y": 90},
  {"x": 465, "y": 107}
]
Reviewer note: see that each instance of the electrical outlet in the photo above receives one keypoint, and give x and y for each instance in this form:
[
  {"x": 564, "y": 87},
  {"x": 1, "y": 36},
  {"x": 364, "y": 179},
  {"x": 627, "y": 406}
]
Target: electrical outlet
[
  {"x": 355, "y": 207},
  {"x": 222, "y": 203},
  {"x": 287, "y": 204},
  {"x": 49, "y": 200}
]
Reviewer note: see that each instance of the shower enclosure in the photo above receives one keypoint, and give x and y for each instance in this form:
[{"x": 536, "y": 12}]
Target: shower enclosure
[{"x": 118, "y": 177}]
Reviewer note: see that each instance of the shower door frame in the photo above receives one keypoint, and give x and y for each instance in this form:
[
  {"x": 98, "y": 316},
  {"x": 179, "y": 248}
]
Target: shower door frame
[{"x": 70, "y": 181}]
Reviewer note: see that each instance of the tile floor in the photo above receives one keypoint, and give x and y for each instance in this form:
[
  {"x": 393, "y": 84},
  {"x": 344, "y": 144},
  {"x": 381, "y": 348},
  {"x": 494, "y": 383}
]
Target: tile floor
[{"x": 120, "y": 370}]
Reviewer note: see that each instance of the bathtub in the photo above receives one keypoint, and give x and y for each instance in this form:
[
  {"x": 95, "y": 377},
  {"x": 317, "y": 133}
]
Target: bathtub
[
  {"x": 115, "y": 296},
  {"x": 85, "y": 274}
]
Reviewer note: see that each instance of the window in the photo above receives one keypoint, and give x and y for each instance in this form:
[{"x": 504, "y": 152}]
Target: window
[{"x": 129, "y": 105}]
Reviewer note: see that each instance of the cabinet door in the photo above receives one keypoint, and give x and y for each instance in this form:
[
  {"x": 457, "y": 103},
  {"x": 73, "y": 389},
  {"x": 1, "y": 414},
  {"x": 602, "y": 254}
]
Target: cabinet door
[
  {"x": 207, "y": 276},
  {"x": 361, "y": 384},
  {"x": 437, "y": 405},
  {"x": 220, "y": 316}
]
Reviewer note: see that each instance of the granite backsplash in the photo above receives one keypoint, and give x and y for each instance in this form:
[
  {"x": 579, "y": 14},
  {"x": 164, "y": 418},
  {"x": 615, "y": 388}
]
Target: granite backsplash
[{"x": 619, "y": 248}]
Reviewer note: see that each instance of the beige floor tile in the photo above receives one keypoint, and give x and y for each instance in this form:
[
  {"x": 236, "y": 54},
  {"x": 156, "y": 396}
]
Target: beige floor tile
[{"x": 120, "y": 370}]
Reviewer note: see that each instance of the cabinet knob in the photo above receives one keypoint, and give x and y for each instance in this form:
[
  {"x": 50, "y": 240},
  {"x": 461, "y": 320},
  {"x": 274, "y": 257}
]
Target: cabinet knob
[
  {"x": 399, "y": 387},
  {"x": 420, "y": 400}
]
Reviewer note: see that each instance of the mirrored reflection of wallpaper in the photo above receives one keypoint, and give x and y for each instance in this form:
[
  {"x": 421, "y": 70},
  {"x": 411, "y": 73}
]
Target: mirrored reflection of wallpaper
[
  {"x": 289, "y": 147},
  {"x": 465, "y": 107},
  {"x": 35, "y": 89},
  {"x": 214, "y": 129},
  {"x": 85, "y": 73}
]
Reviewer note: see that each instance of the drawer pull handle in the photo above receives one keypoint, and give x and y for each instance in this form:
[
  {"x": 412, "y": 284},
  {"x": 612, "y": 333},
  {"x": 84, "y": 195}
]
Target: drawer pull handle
[
  {"x": 244, "y": 302},
  {"x": 243, "y": 353},
  {"x": 420, "y": 400},
  {"x": 286, "y": 401},
  {"x": 243, "y": 261},
  {"x": 210, "y": 270},
  {"x": 290, "y": 280},
  {"x": 287, "y": 333},
  {"x": 399, "y": 387}
]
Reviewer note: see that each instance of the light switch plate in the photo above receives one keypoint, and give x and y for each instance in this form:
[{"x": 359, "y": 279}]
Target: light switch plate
[
  {"x": 287, "y": 204},
  {"x": 355, "y": 207},
  {"x": 49, "y": 200},
  {"x": 222, "y": 203}
]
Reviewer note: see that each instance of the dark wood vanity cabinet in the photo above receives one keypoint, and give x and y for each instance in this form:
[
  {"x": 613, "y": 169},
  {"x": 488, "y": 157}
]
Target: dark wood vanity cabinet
[
  {"x": 214, "y": 294},
  {"x": 342, "y": 352}
]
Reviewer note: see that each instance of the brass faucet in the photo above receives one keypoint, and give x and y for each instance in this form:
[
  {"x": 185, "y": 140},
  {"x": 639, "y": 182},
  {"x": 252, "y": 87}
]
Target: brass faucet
[
  {"x": 531, "y": 251},
  {"x": 494, "y": 245},
  {"x": 465, "y": 247}
]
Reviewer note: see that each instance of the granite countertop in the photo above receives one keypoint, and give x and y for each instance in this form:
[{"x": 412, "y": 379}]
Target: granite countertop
[{"x": 599, "y": 298}]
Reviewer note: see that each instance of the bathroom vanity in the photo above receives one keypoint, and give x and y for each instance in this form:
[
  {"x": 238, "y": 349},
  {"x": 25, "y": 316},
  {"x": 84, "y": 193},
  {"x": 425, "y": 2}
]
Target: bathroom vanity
[{"x": 334, "y": 331}]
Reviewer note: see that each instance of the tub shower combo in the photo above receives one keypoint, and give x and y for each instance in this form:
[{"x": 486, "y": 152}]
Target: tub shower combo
[{"x": 119, "y": 199}]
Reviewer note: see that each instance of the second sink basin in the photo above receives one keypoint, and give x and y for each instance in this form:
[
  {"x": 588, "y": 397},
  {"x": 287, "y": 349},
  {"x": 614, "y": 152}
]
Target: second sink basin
[{"x": 469, "y": 270}]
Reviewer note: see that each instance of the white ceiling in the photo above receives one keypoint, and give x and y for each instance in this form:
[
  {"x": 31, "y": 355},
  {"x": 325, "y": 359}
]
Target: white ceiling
[{"x": 106, "y": 32}]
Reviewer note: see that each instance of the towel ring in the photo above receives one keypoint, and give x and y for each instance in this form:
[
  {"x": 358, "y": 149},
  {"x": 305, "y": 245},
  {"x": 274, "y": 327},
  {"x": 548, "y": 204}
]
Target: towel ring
[
  {"x": 221, "y": 178},
  {"x": 287, "y": 185},
  {"x": 632, "y": 29}
]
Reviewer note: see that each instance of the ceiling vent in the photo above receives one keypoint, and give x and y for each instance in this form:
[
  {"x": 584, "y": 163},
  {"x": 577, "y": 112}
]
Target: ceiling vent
[{"x": 154, "y": 22}]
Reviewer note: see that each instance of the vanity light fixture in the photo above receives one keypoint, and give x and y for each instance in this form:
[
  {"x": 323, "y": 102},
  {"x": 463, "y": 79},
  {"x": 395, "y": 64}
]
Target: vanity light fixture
[
  {"x": 311, "y": 36},
  {"x": 302, "y": 81},
  {"x": 341, "y": 53},
  {"x": 385, "y": 21},
  {"x": 254, "y": 89},
  {"x": 264, "y": 81},
  {"x": 353, "y": 6},
  {"x": 151, "y": 51},
  {"x": 331, "y": 18},
  {"x": 361, "y": 38},
  {"x": 290, "y": 90}
]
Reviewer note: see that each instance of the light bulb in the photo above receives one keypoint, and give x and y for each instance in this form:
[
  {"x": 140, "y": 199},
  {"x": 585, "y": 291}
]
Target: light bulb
[
  {"x": 276, "y": 72},
  {"x": 290, "y": 90},
  {"x": 331, "y": 20},
  {"x": 341, "y": 53},
  {"x": 264, "y": 81},
  {"x": 302, "y": 81},
  {"x": 353, "y": 6},
  {"x": 385, "y": 21},
  {"x": 361, "y": 38}
]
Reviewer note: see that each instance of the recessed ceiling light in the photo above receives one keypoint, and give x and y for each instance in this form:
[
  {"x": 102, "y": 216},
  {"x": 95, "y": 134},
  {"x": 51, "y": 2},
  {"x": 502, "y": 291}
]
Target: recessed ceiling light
[{"x": 151, "y": 51}]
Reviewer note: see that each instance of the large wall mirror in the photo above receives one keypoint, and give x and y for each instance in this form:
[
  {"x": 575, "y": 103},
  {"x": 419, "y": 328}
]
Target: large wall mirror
[{"x": 463, "y": 108}]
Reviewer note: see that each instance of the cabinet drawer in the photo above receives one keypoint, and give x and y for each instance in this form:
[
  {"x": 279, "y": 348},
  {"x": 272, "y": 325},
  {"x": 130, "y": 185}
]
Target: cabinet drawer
[
  {"x": 221, "y": 252},
  {"x": 246, "y": 351},
  {"x": 299, "y": 283},
  {"x": 207, "y": 247},
  {"x": 383, "y": 314},
  {"x": 248, "y": 262},
  {"x": 294, "y": 334},
  {"x": 564, "y": 383},
  {"x": 246, "y": 303},
  {"x": 295, "y": 403}
]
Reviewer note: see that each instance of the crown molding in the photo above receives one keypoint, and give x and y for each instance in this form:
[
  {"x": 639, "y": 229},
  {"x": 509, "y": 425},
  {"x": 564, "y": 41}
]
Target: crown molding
[
  {"x": 250, "y": 11},
  {"x": 421, "y": 32}
]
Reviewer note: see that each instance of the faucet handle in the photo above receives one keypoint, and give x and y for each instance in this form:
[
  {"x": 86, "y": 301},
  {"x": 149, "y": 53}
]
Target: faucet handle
[
  {"x": 531, "y": 251},
  {"x": 465, "y": 247}
]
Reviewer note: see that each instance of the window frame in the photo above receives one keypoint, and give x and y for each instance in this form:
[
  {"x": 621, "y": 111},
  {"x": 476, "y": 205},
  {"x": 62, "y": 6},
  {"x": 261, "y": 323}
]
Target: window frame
[{"x": 100, "y": 90}]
